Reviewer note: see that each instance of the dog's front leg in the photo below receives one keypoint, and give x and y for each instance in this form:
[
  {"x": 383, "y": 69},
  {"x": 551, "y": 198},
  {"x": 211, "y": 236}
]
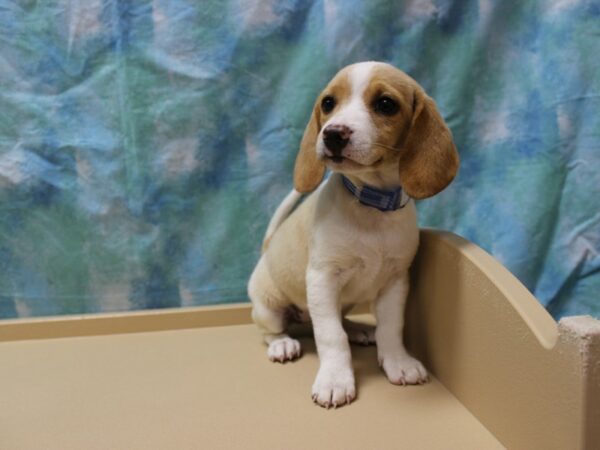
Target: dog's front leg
[
  {"x": 398, "y": 365},
  {"x": 334, "y": 385}
]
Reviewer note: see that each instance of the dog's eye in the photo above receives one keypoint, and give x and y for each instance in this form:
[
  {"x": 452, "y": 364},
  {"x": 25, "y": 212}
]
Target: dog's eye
[
  {"x": 327, "y": 104},
  {"x": 386, "y": 106}
]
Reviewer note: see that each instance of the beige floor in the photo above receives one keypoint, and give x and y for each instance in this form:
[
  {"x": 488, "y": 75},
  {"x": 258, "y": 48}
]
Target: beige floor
[
  {"x": 209, "y": 388},
  {"x": 535, "y": 384}
]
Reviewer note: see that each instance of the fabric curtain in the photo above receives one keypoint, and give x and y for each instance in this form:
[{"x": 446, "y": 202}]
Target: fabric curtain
[{"x": 145, "y": 144}]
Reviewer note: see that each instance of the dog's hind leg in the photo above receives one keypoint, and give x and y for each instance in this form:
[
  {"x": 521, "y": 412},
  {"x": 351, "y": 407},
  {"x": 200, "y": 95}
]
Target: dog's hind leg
[
  {"x": 359, "y": 333},
  {"x": 272, "y": 323},
  {"x": 271, "y": 317}
]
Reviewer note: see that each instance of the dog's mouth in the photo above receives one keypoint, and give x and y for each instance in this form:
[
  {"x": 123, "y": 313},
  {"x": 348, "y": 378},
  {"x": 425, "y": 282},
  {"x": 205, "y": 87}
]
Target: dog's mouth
[
  {"x": 337, "y": 159},
  {"x": 345, "y": 161}
]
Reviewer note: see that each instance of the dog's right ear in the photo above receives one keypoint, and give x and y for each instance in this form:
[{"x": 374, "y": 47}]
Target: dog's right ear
[{"x": 308, "y": 170}]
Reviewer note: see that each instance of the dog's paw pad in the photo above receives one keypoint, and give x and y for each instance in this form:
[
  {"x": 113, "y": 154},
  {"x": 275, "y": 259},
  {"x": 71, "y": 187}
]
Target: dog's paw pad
[
  {"x": 284, "y": 349},
  {"x": 404, "y": 370},
  {"x": 333, "y": 389}
]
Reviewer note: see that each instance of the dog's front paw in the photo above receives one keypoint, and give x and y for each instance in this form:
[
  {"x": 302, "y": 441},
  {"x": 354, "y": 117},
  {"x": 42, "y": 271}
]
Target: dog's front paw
[
  {"x": 284, "y": 349},
  {"x": 403, "y": 369},
  {"x": 333, "y": 387}
]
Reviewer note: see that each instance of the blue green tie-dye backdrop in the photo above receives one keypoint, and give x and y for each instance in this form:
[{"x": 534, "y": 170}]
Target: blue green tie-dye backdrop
[{"x": 144, "y": 144}]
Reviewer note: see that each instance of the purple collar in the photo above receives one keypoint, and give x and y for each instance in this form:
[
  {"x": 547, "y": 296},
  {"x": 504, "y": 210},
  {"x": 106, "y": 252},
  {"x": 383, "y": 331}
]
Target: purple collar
[{"x": 376, "y": 198}]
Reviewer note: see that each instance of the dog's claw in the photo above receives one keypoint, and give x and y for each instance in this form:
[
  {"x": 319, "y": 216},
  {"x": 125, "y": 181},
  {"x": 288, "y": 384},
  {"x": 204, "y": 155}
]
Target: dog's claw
[
  {"x": 284, "y": 349},
  {"x": 404, "y": 370}
]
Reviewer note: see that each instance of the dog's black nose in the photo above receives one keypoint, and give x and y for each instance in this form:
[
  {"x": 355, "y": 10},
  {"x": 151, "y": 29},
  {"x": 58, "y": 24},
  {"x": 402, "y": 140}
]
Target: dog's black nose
[{"x": 336, "y": 137}]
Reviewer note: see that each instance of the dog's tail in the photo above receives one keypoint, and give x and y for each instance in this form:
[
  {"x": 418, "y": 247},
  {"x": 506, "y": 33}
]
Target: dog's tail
[{"x": 281, "y": 213}]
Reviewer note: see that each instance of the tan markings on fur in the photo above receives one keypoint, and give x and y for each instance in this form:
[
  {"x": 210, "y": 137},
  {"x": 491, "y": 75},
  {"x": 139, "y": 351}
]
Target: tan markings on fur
[
  {"x": 339, "y": 88},
  {"x": 389, "y": 81},
  {"x": 428, "y": 159},
  {"x": 308, "y": 169}
]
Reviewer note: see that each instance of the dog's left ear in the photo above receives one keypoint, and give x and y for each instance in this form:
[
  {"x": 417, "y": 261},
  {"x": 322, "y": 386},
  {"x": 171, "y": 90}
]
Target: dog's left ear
[
  {"x": 308, "y": 170},
  {"x": 429, "y": 160}
]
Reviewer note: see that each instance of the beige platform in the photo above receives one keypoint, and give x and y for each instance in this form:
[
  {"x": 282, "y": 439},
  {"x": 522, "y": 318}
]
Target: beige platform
[{"x": 506, "y": 376}]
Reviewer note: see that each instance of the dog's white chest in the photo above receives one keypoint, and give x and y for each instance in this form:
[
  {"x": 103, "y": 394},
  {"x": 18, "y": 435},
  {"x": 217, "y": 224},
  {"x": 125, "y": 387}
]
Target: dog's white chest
[
  {"x": 381, "y": 250},
  {"x": 375, "y": 268}
]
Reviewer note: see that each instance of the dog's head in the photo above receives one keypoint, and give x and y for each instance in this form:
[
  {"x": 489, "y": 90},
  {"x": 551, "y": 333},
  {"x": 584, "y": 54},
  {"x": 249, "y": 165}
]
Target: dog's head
[{"x": 372, "y": 115}]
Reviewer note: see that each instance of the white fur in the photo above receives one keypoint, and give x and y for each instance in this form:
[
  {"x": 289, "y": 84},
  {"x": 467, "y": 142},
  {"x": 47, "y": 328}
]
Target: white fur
[
  {"x": 355, "y": 115},
  {"x": 332, "y": 253}
]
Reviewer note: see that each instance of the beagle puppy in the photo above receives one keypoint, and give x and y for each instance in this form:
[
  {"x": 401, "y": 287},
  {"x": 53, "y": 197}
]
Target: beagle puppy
[{"x": 352, "y": 240}]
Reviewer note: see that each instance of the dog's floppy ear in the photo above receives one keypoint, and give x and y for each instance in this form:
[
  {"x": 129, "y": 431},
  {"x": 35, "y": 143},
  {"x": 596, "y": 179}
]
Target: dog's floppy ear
[
  {"x": 429, "y": 160},
  {"x": 308, "y": 170}
]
